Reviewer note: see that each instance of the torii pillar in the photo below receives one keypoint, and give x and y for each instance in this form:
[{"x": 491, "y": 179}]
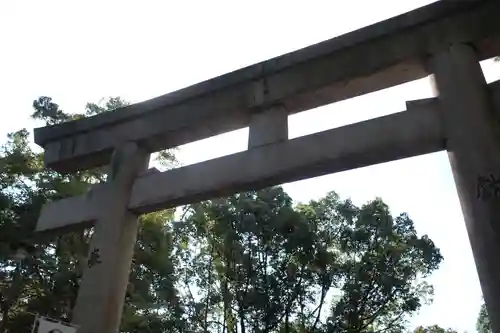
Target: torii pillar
[
  {"x": 473, "y": 144},
  {"x": 99, "y": 304}
]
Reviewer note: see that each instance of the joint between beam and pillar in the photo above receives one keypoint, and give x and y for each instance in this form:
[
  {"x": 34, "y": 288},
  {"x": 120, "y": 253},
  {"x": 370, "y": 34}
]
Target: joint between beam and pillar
[
  {"x": 268, "y": 126},
  {"x": 101, "y": 295},
  {"x": 474, "y": 152}
]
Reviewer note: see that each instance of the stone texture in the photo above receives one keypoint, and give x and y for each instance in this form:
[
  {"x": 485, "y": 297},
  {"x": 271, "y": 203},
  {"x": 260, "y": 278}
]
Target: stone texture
[
  {"x": 464, "y": 120},
  {"x": 269, "y": 126},
  {"x": 72, "y": 212},
  {"x": 99, "y": 304},
  {"x": 369, "y": 59},
  {"x": 405, "y": 134},
  {"x": 472, "y": 129},
  {"x": 75, "y": 212}
]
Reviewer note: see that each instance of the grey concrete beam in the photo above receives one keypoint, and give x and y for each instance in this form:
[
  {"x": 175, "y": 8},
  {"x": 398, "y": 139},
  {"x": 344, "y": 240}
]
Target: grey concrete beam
[
  {"x": 75, "y": 212},
  {"x": 384, "y": 139},
  {"x": 405, "y": 134},
  {"x": 65, "y": 214},
  {"x": 373, "y": 58},
  {"x": 269, "y": 126}
]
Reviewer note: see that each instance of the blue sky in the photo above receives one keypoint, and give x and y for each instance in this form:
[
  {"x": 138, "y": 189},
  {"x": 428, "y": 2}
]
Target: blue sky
[{"x": 80, "y": 52}]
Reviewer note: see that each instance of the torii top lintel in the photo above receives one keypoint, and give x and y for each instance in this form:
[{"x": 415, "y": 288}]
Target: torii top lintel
[{"x": 369, "y": 59}]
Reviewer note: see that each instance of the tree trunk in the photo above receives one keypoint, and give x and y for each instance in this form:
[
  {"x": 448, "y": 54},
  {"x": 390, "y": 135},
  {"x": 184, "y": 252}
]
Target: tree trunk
[
  {"x": 242, "y": 321},
  {"x": 12, "y": 295},
  {"x": 322, "y": 300},
  {"x": 287, "y": 320},
  {"x": 209, "y": 293},
  {"x": 226, "y": 310},
  {"x": 5, "y": 320}
]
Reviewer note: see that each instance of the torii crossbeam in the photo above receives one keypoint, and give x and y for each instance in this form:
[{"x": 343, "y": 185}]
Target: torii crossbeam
[{"x": 447, "y": 39}]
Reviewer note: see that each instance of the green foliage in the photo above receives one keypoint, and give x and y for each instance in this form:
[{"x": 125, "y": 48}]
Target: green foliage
[
  {"x": 483, "y": 324},
  {"x": 262, "y": 265},
  {"x": 46, "y": 280},
  {"x": 105, "y": 105},
  {"x": 250, "y": 262},
  {"x": 433, "y": 329},
  {"x": 166, "y": 158}
]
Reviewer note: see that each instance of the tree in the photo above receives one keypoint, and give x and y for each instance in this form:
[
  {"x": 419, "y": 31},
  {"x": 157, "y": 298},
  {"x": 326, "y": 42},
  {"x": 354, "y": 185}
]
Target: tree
[
  {"x": 46, "y": 280},
  {"x": 381, "y": 265},
  {"x": 236, "y": 243},
  {"x": 262, "y": 265},
  {"x": 250, "y": 262},
  {"x": 483, "y": 324},
  {"x": 433, "y": 329}
]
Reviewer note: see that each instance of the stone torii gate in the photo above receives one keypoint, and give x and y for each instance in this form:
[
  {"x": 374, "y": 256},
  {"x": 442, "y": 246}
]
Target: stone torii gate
[{"x": 446, "y": 39}]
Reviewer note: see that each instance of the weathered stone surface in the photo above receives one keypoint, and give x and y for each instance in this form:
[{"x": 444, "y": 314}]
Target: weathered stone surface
[
  {"x": 76, "y": 212},
  {"x": 464, "y": 120},
  {"x": 396, "y": 136},
  {"x": 99, "y": 304},
  {"x": 472, "y": 129},
  {"x": 405, "y": 134},
  {"x": 376, "y": 57},
  {"x": 269, "y": 126}
]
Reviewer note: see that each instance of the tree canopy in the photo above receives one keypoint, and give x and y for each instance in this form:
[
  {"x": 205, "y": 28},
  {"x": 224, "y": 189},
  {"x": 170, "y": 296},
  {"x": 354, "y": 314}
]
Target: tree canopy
[
  {"x": 250, "y": 262},
  {"x": 483, "y": 324},
  {"x": 433, "y": 329}
]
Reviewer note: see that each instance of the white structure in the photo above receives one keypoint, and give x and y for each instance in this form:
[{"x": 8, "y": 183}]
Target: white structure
[{"x": 45, "y": 325}]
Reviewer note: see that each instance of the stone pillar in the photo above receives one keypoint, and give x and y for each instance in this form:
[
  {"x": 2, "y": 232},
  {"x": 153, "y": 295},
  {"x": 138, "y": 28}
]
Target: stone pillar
[
  {"x": 473, "y": 145},
  {"x": 268, "y": 126},
  {"x": 99, "y": 304}
]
